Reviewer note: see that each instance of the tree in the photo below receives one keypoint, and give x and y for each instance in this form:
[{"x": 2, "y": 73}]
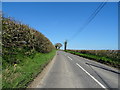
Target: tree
[
  {"x": 65, "y": 44},
  {"x": 58, "y": 45}
]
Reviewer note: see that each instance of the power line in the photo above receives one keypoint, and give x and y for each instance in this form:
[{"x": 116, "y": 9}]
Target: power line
[{"x": 92, "y": 16}]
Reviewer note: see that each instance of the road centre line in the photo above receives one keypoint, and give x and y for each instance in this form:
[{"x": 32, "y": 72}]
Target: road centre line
[
  {"x": 90, "y": 75},
  {"x": 69, "y": 58}
]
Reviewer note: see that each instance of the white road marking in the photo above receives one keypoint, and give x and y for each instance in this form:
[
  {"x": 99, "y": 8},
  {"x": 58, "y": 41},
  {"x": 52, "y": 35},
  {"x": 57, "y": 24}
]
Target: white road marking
[
  {"x": 69, "y": 58},
  {"x": 91, "y": 76}
]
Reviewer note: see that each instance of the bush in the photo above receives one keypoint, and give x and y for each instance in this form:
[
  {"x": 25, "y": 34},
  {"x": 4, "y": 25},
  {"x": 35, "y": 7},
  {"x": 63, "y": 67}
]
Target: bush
[
  {"x": 17, "y": 37},
  {"x": 111, "y": 57}
]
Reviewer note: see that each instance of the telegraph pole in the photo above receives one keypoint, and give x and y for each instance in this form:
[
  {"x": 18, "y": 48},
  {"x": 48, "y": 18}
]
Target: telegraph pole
[{"x": 65, "y": 45}]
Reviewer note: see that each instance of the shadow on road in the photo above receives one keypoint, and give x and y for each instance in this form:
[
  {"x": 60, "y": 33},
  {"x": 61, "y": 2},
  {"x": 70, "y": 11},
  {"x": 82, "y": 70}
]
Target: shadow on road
[{"x": 103, "y": 68}]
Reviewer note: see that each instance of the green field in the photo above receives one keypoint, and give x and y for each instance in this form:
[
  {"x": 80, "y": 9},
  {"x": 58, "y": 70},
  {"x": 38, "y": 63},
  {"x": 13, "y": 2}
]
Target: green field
[{"x": 99, "y": 57}]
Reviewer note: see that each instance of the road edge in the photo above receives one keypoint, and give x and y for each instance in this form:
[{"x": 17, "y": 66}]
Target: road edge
[
  {"x": 37, "y": 80},
  {"x": 116, "y": 68}
]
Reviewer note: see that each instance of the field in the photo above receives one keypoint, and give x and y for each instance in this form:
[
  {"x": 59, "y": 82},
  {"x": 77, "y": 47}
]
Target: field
[{"x": 109, "y": 57}]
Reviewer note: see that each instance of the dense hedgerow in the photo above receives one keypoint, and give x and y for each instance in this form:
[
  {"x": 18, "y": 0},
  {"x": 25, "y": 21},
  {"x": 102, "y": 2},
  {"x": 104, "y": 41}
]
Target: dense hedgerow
[
  {"x": 114, "y": 54},
  {"x": 18, "y": 37},
  {"x": 111, "y": 57}
]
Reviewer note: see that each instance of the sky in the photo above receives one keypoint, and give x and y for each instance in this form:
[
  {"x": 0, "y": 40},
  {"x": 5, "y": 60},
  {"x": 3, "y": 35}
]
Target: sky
[
  {"x": 59, "y": 21},
  {"x": 58, "y": 0}
]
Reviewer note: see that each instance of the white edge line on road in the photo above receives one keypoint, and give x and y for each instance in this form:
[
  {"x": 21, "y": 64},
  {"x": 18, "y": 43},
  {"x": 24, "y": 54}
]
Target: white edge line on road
[
  {"x": 91, "y": 76},
  {"x": 69, "y": 58}
]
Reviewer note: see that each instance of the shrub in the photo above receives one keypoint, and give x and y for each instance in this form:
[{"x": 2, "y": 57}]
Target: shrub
[{"x": 20, "y": 38}]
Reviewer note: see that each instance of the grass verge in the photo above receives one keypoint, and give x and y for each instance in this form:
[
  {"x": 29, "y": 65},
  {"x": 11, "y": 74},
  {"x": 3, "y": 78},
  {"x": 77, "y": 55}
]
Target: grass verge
[
  {"x": 19, "y": 75},
  {"x": 101, "y": 59}
]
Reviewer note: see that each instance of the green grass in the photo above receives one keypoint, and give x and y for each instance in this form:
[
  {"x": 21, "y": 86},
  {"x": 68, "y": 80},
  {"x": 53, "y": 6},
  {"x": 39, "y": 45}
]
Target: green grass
[
  {"x": 19, "y": 75},
  {"x": 101, "y": 59}
]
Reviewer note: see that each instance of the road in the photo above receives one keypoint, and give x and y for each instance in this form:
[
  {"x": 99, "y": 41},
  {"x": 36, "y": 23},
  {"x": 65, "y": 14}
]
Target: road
[{"x": 71, "y": 71}]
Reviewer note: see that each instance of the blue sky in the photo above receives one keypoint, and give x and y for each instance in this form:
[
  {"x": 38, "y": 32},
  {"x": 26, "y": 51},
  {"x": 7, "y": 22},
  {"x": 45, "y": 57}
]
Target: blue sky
[{"x": 61, "y": 20}]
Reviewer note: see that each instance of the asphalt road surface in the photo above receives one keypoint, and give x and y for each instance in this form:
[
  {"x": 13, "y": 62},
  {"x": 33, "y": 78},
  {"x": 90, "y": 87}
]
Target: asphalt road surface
[{"x": 71, "y": 71}]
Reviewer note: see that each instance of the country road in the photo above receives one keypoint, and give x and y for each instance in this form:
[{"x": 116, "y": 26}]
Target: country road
[{"x": 71, "y": 71}]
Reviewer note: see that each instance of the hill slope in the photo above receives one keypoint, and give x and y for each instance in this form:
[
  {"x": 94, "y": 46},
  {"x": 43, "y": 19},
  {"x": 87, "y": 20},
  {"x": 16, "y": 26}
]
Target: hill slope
[{"x": 25, "y": 52}]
